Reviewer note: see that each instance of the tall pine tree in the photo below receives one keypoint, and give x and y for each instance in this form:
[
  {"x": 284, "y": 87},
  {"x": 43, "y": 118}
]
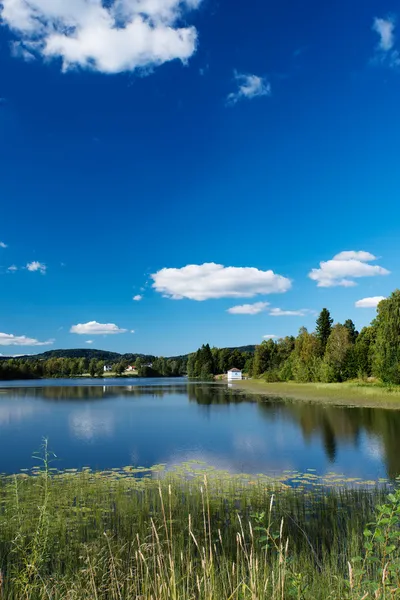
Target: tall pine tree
[
  {"x": 351, "y": 328},
  {"x": 324, "y": 328}
]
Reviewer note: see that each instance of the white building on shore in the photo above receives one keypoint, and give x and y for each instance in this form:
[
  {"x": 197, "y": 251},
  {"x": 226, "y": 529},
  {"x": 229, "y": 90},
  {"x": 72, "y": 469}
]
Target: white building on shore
[{"x": 235, "y": 375}]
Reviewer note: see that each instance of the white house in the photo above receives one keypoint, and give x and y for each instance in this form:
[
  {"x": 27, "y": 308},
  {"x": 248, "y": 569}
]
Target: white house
[
  {"x": 234, "y": 375},
  {"x": 107, "y": 369}
]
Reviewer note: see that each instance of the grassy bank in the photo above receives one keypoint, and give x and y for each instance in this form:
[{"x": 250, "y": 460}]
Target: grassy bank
[
  {"x": 122, "y": 535},
  {"x": 347, "y": 393}
]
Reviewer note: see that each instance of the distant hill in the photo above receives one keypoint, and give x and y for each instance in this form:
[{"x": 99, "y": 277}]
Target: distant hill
[
  {"x": 107, "y": 356},
  {"x": 88, "y": 353},
  {"x": 251, "y": 349}
]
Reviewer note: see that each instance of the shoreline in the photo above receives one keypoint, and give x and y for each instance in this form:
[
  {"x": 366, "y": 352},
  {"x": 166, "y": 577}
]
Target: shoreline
[{"x": 340, "y": 394}]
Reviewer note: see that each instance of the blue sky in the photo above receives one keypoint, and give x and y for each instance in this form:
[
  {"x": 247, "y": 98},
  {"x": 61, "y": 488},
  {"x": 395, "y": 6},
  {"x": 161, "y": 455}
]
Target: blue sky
[{"x": 140, "y": 137}]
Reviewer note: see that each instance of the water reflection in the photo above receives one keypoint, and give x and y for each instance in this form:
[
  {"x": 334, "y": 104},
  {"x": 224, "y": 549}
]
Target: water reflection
[
  {"x": 172, "y": 421},
  {"x": 335, "y": 425}
]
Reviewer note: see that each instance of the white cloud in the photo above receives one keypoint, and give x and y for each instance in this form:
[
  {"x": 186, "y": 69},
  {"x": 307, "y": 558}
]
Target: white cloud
[
  {"x": 385, "y": 29},
  {"x": 369, "y": 302},
  {"x": 89, "y": 341},
  {"x": 132, "y": 331},
  {"x": 344, "y": 268},
  {"x": 12, "y": 269},
  {"x": 248, "y": 309},
  {"x": 203, "y": 282},
  {"x": 94, "y": 328},
  {"x": 249, "y": 86},
  {"x": 112, "y": 37},
  {"x": 270, "y": 336},
  {"x": 355, "y": 255},
  {"x": 3, "y": 245},
  {"x": 137, "y": 298},
  {"x": 36, "y": 266},
  {"x": 386, "y": 54},
  {"x": 278, "y": 312},
  {"x": 8, "y": 339}
]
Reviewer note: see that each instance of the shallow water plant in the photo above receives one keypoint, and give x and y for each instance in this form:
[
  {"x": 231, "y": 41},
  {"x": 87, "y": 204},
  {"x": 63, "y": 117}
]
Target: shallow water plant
[{"x": 192, "y": 534}]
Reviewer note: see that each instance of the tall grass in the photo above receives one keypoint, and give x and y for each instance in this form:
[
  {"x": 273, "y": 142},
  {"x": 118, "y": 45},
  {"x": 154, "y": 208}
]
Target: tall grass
[{"x": 122, "y": 535}]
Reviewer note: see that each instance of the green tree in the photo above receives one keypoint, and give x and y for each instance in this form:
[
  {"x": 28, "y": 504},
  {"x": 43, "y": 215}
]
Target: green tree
[
  {"x": 93, "y": 367},
  {"x": 306, "y": 357},
  {"x": 118, "y": 368},
  {"x": 353, "y": 333},
  {"x": 336, "y": 353},
  {"x": 324, "y": 328},
  {"x": 264, "y": 357},
  {"x": 191, "y": 365},
  {"x": 363, "y": 351},
  {"x": 387, "y": 343}
]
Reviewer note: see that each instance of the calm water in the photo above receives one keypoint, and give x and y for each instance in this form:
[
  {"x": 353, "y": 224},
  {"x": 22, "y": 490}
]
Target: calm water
[{"x": 147, "y": 422}]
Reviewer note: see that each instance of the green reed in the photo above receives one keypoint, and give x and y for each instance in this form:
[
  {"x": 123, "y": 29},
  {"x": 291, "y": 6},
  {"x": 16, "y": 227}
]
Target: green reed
[{"x": 194, "y": 534}]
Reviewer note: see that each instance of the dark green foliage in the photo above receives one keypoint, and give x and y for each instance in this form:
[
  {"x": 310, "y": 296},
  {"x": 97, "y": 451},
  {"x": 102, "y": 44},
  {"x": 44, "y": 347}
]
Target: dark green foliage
[
  {"x": 387, "y": 343},
  {"x": 363, "y": 350},
  {"x": 265, "y": 358},
  {"x": 206, "y": 362},
  {"x": 351, "y": 328},
  {"x": 323, "y": 328}
]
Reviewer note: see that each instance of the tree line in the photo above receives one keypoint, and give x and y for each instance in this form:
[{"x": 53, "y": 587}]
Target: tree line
[
  {"x": 336, "y": 352},
  {"x": 331, "y": 353},
  {"x": 207, "y": 362},
  {"x": 31, "y": 368}
]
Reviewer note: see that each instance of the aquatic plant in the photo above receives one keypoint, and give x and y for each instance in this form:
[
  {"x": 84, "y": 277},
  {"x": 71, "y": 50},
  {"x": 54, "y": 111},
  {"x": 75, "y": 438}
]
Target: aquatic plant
[{"x": 195, "y": 533}]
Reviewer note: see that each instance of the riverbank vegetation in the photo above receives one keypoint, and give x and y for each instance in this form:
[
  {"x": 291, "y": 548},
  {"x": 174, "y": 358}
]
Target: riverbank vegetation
[
  {"x": 199, "y": 534},
  {"x": 333, "y": 353}
]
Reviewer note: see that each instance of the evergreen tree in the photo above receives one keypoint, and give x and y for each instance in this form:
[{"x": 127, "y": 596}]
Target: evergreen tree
[
  {"x": 324, "y": 328},
  {"x": 352, "y": 330}
]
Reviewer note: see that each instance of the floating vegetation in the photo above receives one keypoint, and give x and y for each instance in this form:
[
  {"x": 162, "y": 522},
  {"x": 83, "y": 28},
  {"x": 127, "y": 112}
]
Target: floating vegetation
[{"x": 196, "y": 533}]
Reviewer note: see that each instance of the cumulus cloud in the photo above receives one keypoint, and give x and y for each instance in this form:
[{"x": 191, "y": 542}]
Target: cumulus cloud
[
  {"x": 109, "y": 37},
  {"x": 344, "y": 268},
  {"x": 89, "y": 341},
  {"x": 8, "y": 339},
  {"x": 210, "y": 280},
  {"x": 137, "y": 298},
  {"x": 94, "y": 328},
  {"x": 278, "y": 312},
  {"x": 369, "y": 302},
  {"x": 270, "y": 336},
  {"x": 248, "y": 87},
  {"x": 36, "y": 266},
  {"x": 385, "y": 53},
  {"x": 3, "y": 245},
  {"x": 248, "y": 309}
]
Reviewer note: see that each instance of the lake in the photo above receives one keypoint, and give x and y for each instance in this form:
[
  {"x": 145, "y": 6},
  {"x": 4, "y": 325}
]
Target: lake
[{"x": 105, "y": 423}]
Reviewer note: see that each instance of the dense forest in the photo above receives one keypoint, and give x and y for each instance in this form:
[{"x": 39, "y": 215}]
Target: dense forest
[{"x": 331, "y": 353}]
